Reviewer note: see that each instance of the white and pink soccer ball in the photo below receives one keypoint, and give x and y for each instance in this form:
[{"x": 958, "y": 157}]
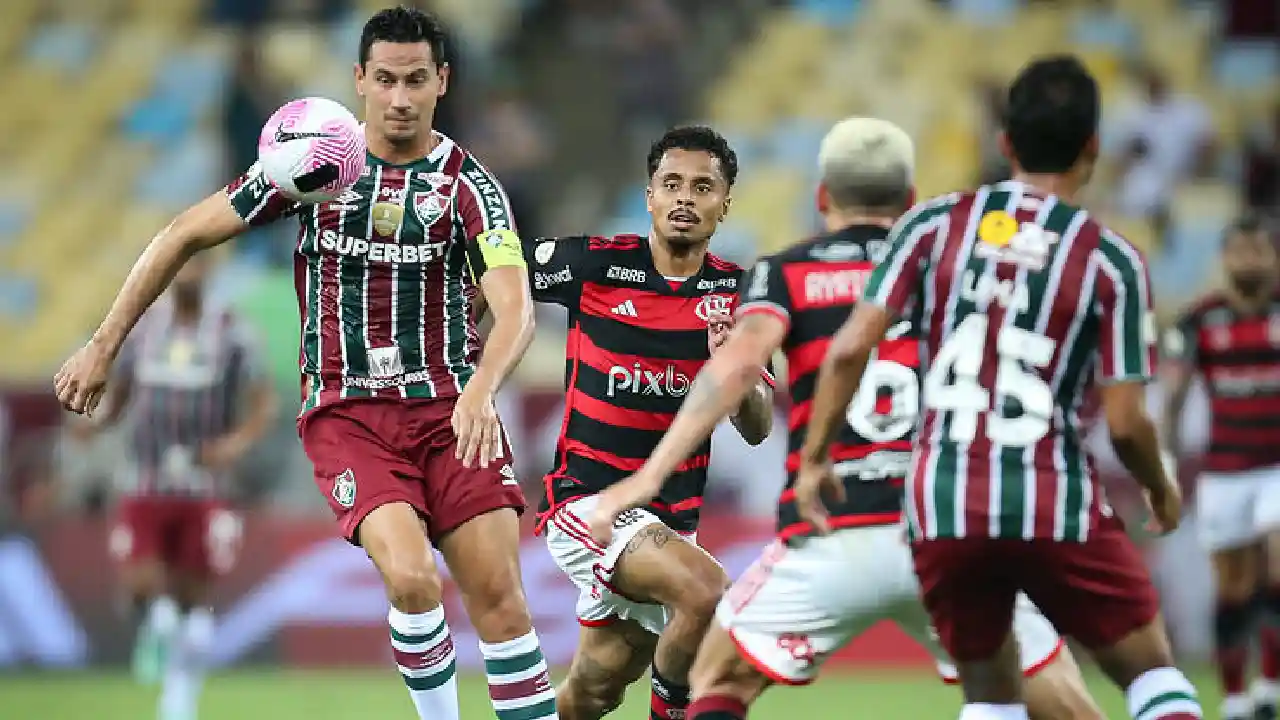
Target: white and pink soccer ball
[{"x": 312, "y": 149}]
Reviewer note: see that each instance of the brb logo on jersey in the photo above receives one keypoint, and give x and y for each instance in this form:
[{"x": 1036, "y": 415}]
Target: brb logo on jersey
[
  {"x": 635, "y": 380},
  {"x": 712, "y": 306}
]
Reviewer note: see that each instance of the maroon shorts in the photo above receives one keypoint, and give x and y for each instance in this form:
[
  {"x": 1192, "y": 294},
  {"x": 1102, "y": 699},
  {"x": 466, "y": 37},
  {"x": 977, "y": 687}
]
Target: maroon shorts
[
  {"x": 368, "y": 453},
  {"x": 199, "y": 536},
  {"x": 1097, "y": 591}
]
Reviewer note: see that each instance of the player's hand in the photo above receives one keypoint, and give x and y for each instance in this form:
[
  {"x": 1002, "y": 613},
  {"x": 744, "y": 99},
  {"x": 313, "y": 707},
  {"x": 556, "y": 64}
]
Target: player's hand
[
  {"x": 633, "y": 492},
  {"x": 1165, "y": 505},
  {"x": 476, "y": 425},
  {"x": 718, "y": 327},
  {"x": 82, "y": 380},
  {"x": 813, "y": 482},
  {"x": 223, "y": 453}
]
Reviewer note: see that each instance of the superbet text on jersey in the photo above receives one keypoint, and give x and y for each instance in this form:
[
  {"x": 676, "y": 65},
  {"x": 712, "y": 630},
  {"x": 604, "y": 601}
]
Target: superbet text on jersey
[
  {"x": 386, "y": 273},
  {"x": 812, "y": 287},
  {"x": 636, "y": 341},
  {"x": 1025, "y": 302}
]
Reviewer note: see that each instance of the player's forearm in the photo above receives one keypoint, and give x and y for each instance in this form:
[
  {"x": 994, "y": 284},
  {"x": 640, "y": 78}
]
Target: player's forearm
[
  {"x": 754, "y": 418},
  {"x": 209, "y": 223},
  {"x": 1138, "y": 449},
  {"x": 716, "y": 392},
  {"x": 837, "y": 382},
  {"x": 510, "y": 337},
  {"x": 1171, "y": 419}
]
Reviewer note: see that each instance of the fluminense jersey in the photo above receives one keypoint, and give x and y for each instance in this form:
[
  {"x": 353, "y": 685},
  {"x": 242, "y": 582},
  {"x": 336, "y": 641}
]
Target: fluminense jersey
[
  {"x": 812, "y": 287},
  {"x": 386, "y": 273},
  {"x": 189, "y": 384},
  {"x": 1025, "y": 302},
  {"x": 1238, "y": 355},
  {"x": 636, "y": 342}
]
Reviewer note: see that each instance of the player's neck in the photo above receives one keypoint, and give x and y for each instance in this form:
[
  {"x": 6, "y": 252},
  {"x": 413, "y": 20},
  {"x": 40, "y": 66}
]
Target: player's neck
[
  {"x": 1064, "y": 186},
  {"x": 679, "y": 262},
  {"x": 401, "y": 153},
  {"x": 837, "y": 220},
  {"x": 186, "y": 308}
]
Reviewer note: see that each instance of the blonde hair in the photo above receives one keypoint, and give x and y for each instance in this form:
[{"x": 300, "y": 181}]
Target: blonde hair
[{"x": 867, "y": 163}]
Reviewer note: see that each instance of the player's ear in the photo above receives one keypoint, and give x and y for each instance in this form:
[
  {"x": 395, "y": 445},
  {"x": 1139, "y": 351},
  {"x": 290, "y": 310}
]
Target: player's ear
[
  {"x": 724, "y": 209},
  {"x": 1006, "y": 147},
  {"x": 648, "y": 197},
  {"x": 444, "y": 71},
  {"x": 358, "y": 71},
  {"x": 822, "y": 199}
]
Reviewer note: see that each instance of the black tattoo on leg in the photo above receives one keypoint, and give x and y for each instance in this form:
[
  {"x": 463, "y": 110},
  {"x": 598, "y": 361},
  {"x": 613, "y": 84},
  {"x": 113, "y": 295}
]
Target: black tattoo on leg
[{"x": 658, "y": 534}]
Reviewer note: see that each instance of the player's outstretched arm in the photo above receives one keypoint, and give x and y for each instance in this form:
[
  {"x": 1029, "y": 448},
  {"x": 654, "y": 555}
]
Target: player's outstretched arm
[
  {"x": 754, "y": 417},
  {"x": 840, "y": 375},
  {"x": 81, "y": 381},
  {"x": 208, "y": 223}
]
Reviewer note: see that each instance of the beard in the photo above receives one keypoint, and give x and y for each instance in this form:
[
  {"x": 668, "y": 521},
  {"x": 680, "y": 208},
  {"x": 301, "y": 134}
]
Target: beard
[{"x": 1251, "y": 283}]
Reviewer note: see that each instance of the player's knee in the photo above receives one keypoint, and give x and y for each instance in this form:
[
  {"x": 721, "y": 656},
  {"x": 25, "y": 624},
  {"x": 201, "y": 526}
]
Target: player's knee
[
  {"x": 412, "y": 586},
  {"x": 499, "y": 610},
  {"x": 698, "y": 600}
]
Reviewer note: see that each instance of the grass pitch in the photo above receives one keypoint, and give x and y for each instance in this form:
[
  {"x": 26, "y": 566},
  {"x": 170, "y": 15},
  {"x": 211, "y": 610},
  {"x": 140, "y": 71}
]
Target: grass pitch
[{"x": 271, "y": 694}]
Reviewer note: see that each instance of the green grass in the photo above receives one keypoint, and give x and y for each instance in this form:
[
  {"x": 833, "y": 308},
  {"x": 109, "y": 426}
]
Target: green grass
[{"x": 370, "y": 695}]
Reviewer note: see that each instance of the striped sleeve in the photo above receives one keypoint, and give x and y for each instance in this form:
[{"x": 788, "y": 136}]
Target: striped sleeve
[
  {"x": 1181, "y": 343},
  {"x": 896, "y": 280},
  {"x": 764, "y": 291},
  {"x": 489, "y": 226},
  {"x": 1126, "y": 321},
  {"x": 256, "y": 200}
]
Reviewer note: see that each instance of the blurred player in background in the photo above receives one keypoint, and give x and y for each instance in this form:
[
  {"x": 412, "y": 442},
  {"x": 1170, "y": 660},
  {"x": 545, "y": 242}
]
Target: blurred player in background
[
  {"x": 809, "y": 596},
  {"x": 190, "y": 383},
  {"x": 645, "y": 313},
  {"x": 1024, "y": 303},
  {"x": 1231, "y": 338},
  {"x": 398, "y": 415}
]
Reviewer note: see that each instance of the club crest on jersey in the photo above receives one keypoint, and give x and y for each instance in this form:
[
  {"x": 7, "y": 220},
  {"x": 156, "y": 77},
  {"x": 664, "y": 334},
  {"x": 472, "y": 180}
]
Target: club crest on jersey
[
  {"x": 712, "y": 306},
  {"x": 1001, "y": 238},
  {"x": 432, "y": 204},
  {"x": 344, "y": 489},
  {"x": 543, "y": 253}
]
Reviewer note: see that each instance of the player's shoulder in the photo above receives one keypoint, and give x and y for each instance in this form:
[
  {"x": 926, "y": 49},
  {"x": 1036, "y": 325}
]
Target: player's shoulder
[
  {"x": 717, "y": 266},
  {"x": 614, "y": 244},
  {"x": 1208, "y": 304}
]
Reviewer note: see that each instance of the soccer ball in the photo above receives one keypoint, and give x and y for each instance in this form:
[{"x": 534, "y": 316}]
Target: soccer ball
[{"x": 312, "y": 149}]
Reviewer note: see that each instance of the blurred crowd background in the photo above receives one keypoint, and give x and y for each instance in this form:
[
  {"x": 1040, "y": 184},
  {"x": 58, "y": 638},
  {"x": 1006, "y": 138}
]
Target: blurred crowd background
[{"x": 121, "y": 112}]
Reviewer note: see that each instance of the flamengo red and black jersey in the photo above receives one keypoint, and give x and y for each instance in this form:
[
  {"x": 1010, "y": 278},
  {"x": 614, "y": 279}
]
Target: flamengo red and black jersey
[
  {"x": 1025, "y": 303},
  {"x": 812, "y": 287},
  {"x": 386, "y": 273},
  {"x": 635, "y": 344},
  {"x": 1238, "y": 356}
]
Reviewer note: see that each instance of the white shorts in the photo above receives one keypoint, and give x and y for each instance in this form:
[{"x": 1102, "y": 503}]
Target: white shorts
[
  {"x": 797, "y": 605},
  {"x": 1238, "y": 508},
  {"x": 590, "y": 566}
]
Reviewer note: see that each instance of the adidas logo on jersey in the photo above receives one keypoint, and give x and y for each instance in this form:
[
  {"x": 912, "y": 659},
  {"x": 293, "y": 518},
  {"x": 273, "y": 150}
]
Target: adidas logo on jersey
[{"x": 627, "y": 309}]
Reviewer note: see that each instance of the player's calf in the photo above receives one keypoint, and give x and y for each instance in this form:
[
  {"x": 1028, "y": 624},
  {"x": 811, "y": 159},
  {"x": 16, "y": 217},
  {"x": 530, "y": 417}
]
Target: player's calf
[
  {"x": 1057, "y": 692},
  {"x": 1237, "y": 574},
  {"x": 609, "y": 658},
  {"x": 1142, "y": 664},
  {"x": 723, "y": 684}
]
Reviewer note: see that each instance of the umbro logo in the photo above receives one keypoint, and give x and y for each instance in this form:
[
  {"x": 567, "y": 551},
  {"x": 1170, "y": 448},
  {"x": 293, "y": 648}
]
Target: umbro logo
[
  {"x": 284, "y": 136},
  {"x": 627, "y": 309}
]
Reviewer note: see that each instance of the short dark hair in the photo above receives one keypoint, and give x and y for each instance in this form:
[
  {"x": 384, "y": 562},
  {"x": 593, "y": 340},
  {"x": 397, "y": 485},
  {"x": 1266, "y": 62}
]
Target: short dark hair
[
  {"x": 1243, "y": 226},
  {"x": 697, "y": 138},
  {"x": 1051, "y": 114},
  {"x": 404, "y": 25}
]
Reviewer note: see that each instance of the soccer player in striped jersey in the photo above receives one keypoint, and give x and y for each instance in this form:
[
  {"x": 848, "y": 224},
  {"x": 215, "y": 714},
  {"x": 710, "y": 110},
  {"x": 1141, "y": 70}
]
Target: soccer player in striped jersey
[
  {"x": 1231, "y": 338},
  {"x": 808, "y": 596},
  {"x": 191, "y": 383},
  {"x": 397, "y": 412},
  {"x": 1025, "y": 303},
  {"x": 645, "y": 313}
]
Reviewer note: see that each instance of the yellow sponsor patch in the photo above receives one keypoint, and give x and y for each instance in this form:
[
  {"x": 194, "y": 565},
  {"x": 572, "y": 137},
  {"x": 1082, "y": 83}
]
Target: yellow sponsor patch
[
  {"x": 997, "y": 228},
  {"x": 500, "y": 248}
]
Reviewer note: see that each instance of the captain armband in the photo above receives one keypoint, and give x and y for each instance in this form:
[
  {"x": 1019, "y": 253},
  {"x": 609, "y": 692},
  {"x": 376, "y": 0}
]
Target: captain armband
[{"x": 500, "y": 248}]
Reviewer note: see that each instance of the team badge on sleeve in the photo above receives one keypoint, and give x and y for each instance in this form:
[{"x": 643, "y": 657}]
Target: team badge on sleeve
[{"x": 543, "y": 253}]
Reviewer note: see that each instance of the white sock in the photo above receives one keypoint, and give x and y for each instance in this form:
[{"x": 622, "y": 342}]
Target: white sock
[
  {"x": 519, "y": 684},
  {"x": 187, "y": 664},
  {"x": 424, "y": 654},
  {"x": 1265, "y": 690},
  {"x": 1161, "y": 693},
  {"x": 163, "y": 617},
  {"x": 1236, "y": 706},
  {"x": 990, "y": 711}
]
